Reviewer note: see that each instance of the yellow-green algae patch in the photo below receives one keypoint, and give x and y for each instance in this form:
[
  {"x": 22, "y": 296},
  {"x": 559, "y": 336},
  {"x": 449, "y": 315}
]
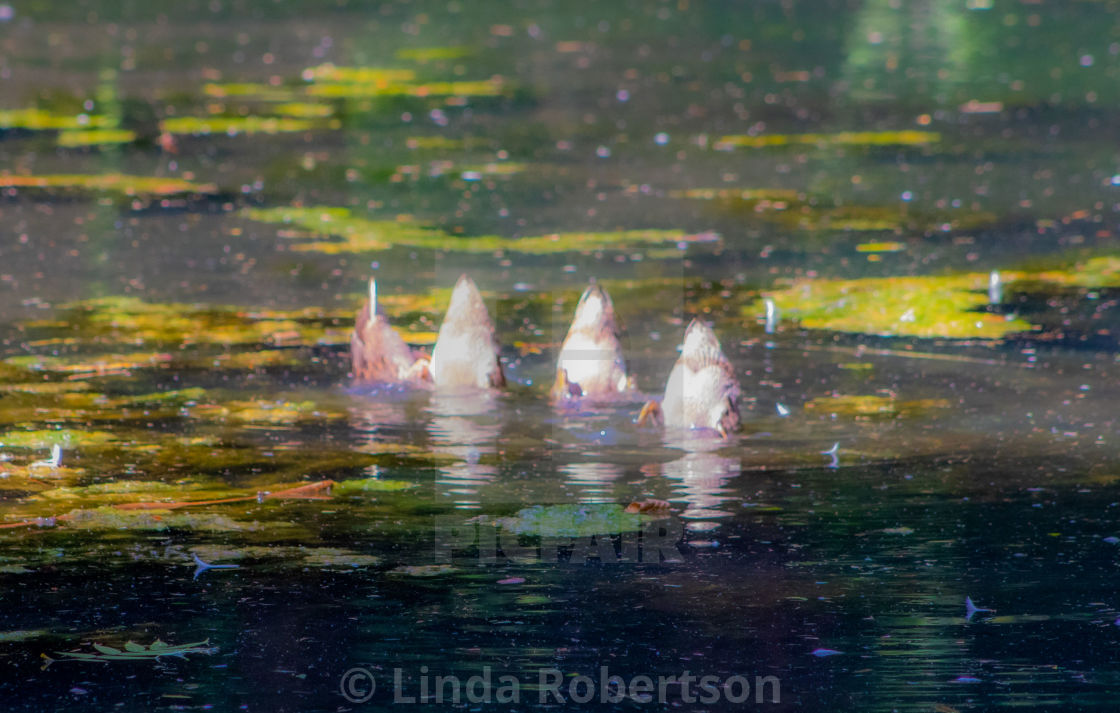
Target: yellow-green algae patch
[
  {"x": 874, "y": 406},
  {"x": 95, "y": 137},
  {"x": 131, "y": 491},
  {"x": 91, "y": 365},
  {"x": 130, "y": 320},
  {"x": 354, "y": 233},
  {"x": 38, "y": 119},
  {"x": 434, "y": 54},
  {"x": 930, "y": 306},
  {"x": 67, "y": 438},
  {"x": 232, "y": 125},
  {"x": 109, "y": 183},
  {"x": 843, "y": 138},
  {"x": 799, "y": 211},
  {"x": 572, "y": 520},
  {"x": 278, "y": 412},
  {"x": 370, "y": 485},
  {"x": 423, "y": 570},
  {"x": 325, "y": 557},
  {"x": 946, "y": 306},
  {"x": 304, "y": 110},
  {"x": 112, "y": 518}
]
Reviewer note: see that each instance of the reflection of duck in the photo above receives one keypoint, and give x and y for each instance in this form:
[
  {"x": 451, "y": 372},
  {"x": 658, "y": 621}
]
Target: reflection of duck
[
  {"x": 378, "y": 355},
  {"x": 466, "y": 351},
  {"x": 702, "y": 391},
  {"x": 591, "y": 363},
  {"x": 464, "y": 427},
  {"x": 702, "y": 476}
]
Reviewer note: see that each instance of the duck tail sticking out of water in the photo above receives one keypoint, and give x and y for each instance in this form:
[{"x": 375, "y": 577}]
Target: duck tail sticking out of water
[
  {"x": 591, "y": 362},
  {"x": 378, "y": 355},
  {"x": 466, "y": 351},
  {"x": 702, "y": 391}
]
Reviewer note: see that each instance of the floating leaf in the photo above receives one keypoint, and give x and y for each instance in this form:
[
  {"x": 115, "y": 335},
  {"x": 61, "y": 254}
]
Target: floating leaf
[
  {"x": 134, "y": 647},
  {"x": 136, "y": 652}
]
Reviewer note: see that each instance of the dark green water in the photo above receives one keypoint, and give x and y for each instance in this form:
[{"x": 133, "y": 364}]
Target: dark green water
[{"x": 982, "y": 469}]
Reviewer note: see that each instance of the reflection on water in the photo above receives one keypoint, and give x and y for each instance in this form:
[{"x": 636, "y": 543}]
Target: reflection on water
[
  {"x": 980, "y": 469},
  {"x": 591, "y": 482},
  {"x": 699, "y": 479},
  {"x": 463, "y": 425}
]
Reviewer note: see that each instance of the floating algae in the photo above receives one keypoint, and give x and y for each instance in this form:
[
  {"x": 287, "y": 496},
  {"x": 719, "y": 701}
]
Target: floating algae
[
  {"x": 358, "y": 234},
  {"x": 95, "y": 137},
  {"x": 434, "y": 54},
  {"x": 947, "y": 306},
  {"x": 276, "y": 412},
  {"x": 130, "y": 320},
  {"x": 233, "y": 125},
  {"x": 109, "y": 183},
  {"x": 572, "y": 520},
  {"x": 113, "y": 518},
  {"x": 874, "y": 406},
  {"x": 932, "y": 306},
  {"x": 67, "y": 438},
  {"x": 370, "y": 485},
  {"x": 37, "y": 119},
  {"x": 422, "y": 570},
  {"x": 843, "y": 138}
]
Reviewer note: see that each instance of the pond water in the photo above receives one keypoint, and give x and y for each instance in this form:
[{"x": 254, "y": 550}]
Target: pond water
[{"x": 920, "y": 512}]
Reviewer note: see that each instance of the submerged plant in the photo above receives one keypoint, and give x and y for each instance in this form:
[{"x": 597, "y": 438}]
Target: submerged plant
[{"x": 133, "y": 651}]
